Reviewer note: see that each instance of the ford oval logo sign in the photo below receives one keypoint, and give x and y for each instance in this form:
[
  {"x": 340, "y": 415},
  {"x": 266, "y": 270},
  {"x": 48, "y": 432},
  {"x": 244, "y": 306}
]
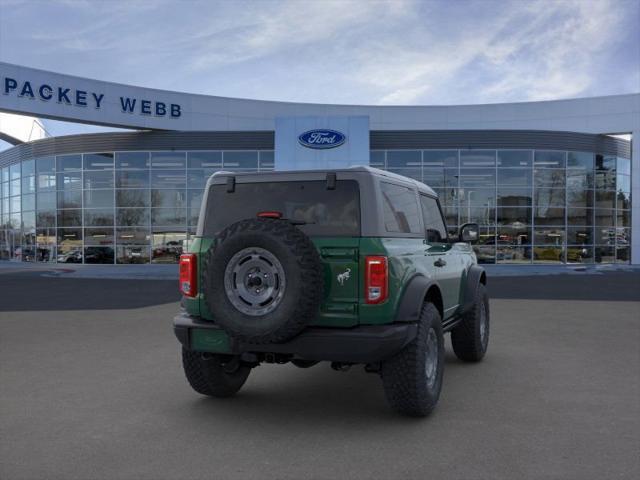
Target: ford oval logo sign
[{"x": 322, "y": 138}]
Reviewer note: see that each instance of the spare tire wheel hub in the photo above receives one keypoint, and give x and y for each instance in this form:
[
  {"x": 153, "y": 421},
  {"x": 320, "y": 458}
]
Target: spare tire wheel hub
[{"x": 254, "y": 281}]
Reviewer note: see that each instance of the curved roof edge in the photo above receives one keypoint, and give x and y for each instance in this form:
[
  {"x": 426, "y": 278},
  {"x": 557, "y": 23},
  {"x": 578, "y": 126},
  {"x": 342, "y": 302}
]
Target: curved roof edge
[
  {"x": 264, "y": 140},
  {"x": 103, "y": 104}
]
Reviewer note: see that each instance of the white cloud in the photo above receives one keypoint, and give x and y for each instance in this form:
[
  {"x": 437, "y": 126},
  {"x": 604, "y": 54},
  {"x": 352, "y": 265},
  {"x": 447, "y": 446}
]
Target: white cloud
[
  {"x": 263, "y": 30},
  {"x": 531, "y": 52},
  {"x": 553, "y": 55},
  {"x": 385, "y": 52}
]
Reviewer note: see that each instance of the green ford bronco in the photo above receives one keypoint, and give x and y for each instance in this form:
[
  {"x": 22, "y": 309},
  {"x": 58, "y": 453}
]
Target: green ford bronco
[{"x": 350, "y": 266}]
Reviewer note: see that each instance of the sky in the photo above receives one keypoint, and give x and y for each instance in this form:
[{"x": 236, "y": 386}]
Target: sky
[{"x": 395, "y": 52}]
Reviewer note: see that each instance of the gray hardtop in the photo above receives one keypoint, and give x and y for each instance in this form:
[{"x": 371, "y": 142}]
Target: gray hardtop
[
  {"x": 319, "y": 174},
  {"x": 368, "y": 178}
]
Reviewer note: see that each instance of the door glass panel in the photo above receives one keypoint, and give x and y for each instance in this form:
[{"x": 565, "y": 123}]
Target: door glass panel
[{"x": 435, "y": 230}]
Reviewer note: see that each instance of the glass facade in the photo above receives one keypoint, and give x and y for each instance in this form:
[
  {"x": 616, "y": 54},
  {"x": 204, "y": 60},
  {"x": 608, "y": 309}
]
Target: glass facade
[
  {"x": 109, "y": 207},
  {"x": 533, "y": 206},
  {"x": 540, "y": 206}
]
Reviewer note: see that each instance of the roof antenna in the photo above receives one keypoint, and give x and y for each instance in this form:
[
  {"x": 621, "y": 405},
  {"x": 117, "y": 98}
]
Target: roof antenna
[
  {"x": 231, "y": 184},
  {"x": 331, "y": 181}
]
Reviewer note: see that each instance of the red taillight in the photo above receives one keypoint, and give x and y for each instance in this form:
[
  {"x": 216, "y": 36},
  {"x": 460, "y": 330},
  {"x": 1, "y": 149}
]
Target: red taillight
[
  {"x": 269, "y": 215},
  {"x": 188, "y": 275},
  {"x": 376, "y": 279}
]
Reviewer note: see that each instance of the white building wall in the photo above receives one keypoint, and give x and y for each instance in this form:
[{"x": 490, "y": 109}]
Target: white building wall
[
  {"x": 290, "y": 154},
  {"x": 611, "y": 114}
]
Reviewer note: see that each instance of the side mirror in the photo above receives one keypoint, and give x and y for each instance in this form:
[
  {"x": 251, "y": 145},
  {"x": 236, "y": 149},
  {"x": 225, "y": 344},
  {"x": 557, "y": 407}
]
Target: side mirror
[{"x": 469, "y": 232}]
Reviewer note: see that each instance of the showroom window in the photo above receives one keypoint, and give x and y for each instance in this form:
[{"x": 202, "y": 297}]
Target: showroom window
[{"x": 542, "y": 206}]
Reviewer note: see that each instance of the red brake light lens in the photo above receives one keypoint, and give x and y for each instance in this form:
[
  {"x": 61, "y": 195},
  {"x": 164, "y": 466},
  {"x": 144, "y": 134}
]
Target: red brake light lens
[
  {"x": 376, "y": 280},
  {"x": 269, "y": 215},
  {"x": 188, "y": 275}
]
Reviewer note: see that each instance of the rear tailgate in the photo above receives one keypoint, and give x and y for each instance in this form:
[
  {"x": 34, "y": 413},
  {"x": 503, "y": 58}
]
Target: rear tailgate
[
  {"x": 341, "y": 281},
  {"x": 328, "y": 214}
]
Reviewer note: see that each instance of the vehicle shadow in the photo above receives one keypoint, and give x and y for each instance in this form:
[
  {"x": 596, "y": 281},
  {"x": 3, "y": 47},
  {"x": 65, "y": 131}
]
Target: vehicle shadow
[{"x": 307, "y": 399}]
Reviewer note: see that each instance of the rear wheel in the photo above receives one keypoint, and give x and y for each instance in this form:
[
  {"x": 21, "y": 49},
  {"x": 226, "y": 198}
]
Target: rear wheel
[
  {"x": 214, "y": 375},
  {"x": 412, "y": 379},
  {"x": 470, "y": 339}
]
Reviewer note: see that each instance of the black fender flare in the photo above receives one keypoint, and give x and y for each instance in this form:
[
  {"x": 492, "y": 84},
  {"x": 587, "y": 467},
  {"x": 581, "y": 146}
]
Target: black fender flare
[
  {"x": 410, "y": 305},
  {"x": 475, "y": 275}
]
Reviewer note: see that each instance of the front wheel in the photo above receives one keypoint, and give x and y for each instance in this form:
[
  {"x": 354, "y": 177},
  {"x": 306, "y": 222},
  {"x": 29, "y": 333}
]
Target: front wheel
[
  {"x": 470, "y": 338},
  {"x": 412, "y": 379},
  {"x": 214, "y": 375}
]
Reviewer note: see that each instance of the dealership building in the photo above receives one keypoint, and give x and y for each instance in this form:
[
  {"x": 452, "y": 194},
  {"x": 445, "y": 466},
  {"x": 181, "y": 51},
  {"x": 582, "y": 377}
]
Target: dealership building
[{"x": 548, "y": 182}]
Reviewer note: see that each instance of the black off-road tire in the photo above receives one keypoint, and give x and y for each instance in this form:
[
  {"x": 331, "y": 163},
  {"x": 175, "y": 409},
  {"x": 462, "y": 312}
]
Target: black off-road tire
[
  {"x": 404, "y": 376},
  {"x": 469, "y": 338},
  {"x": 215, "y": 376},
  {"x": 303, "y": 291}
]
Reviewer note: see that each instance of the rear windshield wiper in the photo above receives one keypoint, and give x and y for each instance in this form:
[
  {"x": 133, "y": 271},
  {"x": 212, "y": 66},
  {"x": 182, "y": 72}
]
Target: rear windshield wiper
[{"x": 298, "y": 222}]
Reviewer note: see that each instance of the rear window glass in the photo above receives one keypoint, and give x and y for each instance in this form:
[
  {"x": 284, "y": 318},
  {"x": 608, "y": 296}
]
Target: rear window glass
[
  {"x": 316, "y": 210},
  {"x": 400, "y": 207}
]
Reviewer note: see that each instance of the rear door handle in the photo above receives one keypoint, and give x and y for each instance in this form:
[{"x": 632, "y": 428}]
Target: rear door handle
[{"x": 439, "y": 263}]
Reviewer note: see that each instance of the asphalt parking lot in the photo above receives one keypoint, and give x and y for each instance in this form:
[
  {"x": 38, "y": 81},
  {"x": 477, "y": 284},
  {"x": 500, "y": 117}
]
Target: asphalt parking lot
[{"x": 91, "y": 387}]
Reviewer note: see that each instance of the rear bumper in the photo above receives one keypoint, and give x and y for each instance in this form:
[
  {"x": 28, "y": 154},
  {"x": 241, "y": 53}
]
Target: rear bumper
[{"x": 363, "y": 344}]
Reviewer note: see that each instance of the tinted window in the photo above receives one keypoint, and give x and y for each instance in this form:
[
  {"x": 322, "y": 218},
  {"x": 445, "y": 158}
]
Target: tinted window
[
  {"x": 400, "y": 208},
  {"x": 132, "y": 160},
  {"x": 435, "y": 231},
  {"x": 266, "y": 159},
  {"x": 514, "y": 158},
  {"x": 376, "y": 158},
  {"x": 69, "y": 162},
  {"x": 98, "y": 199},
  {"x": 28, "y": 167},
  {"x": 204, "y": 159},
  {"x": 440, "y": 158},
  {"x": 43, "y": 165},
  {"x": 98, "y": 161},
  {"x": 404, "y": 158},
  {"x": 240, "y": 159},
  {"x": 98, "y": 179},
  {"x": 168, "y": 179},
  {"x": 580, "y": 160},
  {"x": 168, "y": 159},
  {"x": 320, "y": 211},
  {"x": 550, "y": 159},
  {"x": 477, "y": 158},
  {"x": 69, "y": 180},
  {"x": 132, "y": 179}
]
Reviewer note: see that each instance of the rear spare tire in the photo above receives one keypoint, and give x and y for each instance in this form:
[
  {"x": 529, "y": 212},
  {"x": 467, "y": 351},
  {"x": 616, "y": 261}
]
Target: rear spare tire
[{"x": 262, "y": 280}]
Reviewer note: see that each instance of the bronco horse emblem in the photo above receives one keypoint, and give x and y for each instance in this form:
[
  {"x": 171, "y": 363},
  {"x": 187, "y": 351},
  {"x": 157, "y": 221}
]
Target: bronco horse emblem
[{"x": 344, "y": 276}]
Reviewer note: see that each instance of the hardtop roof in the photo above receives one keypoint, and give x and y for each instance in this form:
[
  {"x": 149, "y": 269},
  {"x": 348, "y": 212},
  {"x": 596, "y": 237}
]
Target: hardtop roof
[{"x": 269, "y": 175}]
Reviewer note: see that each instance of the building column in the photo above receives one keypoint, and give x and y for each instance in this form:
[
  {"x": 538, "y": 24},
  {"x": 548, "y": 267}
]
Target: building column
[{"x": 635, "y": 197}]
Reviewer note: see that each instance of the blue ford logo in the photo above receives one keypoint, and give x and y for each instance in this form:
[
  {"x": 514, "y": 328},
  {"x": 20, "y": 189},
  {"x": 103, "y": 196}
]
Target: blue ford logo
[{"x": 322, "y": 138}]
